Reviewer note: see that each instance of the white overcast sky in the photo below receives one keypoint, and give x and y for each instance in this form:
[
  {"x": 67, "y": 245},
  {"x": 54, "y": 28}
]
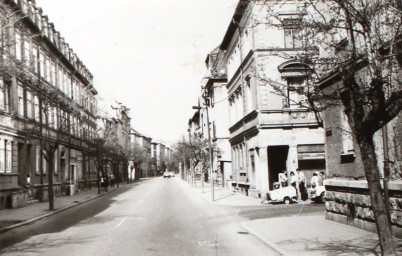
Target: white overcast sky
[{"x": 147, "y": 54}]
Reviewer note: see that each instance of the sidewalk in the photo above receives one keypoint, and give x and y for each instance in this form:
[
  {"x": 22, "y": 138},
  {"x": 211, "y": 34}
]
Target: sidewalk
[
  {"x": 12, "y": 218},
  {"x": 301, "y": 235},
  {"x": 224, "y": 196}
]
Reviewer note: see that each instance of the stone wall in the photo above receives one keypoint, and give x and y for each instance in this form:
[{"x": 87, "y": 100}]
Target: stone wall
[{"x": 348, "y": 201}]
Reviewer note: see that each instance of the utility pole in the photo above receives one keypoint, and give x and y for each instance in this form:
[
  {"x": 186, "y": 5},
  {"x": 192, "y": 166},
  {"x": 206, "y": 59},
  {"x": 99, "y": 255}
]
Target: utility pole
[{"x": 206, "y": 98}]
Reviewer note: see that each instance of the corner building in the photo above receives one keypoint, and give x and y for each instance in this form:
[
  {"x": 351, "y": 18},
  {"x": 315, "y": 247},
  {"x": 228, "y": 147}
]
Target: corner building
[
  {"x": 269, "y": 131},
  {"x": 46, "y": 98}
]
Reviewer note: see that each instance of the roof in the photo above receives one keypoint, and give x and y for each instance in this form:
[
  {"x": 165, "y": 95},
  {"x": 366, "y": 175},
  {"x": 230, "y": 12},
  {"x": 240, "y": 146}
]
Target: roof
[{"x": 237, "y": 16}]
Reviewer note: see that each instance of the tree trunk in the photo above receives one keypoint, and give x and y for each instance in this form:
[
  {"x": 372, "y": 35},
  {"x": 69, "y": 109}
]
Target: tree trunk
[
  {"x": 50, "y": 185},
  {"x": 378, "y": 205}
]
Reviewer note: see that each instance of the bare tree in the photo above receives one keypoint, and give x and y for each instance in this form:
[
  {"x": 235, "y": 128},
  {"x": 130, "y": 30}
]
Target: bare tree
[{"x": 358, "y": 42}]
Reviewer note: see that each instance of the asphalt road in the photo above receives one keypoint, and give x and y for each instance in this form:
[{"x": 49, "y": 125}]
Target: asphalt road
[{"x": 155, "y": 217}]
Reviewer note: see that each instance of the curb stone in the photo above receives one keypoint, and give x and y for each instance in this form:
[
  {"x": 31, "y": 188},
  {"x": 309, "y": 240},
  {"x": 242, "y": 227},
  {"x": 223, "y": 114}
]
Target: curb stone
[{"x": 268, "y": 242}]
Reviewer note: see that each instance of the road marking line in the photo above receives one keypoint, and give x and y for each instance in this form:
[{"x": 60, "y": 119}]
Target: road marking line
[{"x": 121, "y": 222}]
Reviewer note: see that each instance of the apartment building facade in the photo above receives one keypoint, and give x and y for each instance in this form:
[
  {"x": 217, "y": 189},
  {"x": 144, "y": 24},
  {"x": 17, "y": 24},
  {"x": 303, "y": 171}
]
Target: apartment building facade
[
  {"x": 142, "y": 143},
  {"x": 269, "y": 130},
  {"x": 216, "y": 94},
  {"x": 47, "y": 99}
]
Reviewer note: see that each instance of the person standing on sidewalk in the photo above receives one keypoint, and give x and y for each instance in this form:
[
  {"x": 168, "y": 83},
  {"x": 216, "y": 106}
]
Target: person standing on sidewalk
[
  {"x": 28, "y": 185},
  {"x": 293, "y": 182},
  {"x": 282, "y": 178},
  {"x": 315, "y": 180},
  {"x": 302, "y": 184}
]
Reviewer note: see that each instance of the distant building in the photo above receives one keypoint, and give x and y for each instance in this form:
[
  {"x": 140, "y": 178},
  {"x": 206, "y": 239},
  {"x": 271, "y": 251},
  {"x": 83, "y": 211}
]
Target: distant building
[
  {"x": 217, "y": 93},
  {"x": 140, "y": 142},
  {"x": 114, "y": 121}
]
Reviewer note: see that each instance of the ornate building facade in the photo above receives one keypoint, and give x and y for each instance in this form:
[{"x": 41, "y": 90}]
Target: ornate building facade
[{"x": 47, "y": 104}]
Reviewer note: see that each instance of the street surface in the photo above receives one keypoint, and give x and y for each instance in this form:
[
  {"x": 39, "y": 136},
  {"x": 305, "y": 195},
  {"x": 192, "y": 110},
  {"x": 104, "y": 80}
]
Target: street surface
[{"x": 155, "y": 217}]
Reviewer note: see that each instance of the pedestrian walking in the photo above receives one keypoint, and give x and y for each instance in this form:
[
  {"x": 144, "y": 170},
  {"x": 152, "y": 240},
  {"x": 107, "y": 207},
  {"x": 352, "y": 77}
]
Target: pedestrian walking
[
  {"x": 282, "y": 178},
  {"x": 112, "y": 180},
  {"x": 302, "y": 185}
]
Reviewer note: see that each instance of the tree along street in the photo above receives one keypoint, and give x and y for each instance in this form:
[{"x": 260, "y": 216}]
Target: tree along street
[{"x": 157, "y": 217}]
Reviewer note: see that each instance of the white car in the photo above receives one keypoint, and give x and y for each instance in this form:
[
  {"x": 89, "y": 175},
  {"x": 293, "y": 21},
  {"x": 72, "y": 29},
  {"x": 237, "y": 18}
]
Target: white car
[
  {"x": 166, "y": 175},
  {"x": 285, "y": 195},
  {"x": 317, "y": 194}
]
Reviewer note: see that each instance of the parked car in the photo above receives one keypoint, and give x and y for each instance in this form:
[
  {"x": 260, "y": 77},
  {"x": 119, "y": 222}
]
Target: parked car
[
  {"x": 166, "y": 175},
  {"x": 285, "y": 195},
  {"x": 317, "y": 194}
]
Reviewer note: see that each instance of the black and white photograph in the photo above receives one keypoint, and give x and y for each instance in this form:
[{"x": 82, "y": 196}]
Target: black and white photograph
[{"x": 201, "y": 127}]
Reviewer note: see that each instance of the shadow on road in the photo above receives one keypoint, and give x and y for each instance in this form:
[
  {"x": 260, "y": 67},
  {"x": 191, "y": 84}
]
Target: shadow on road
[{"x": 63, "y": 220}]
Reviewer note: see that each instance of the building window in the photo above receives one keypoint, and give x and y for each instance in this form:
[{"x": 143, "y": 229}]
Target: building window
[
  {"x": 295, "y": 95},
  {"x": 9, "y": 154},
  {"x": 44, "y": 162},
  {"x": 347, "y": 137},
  {"x": 249, "y": 95},
  {"x": 27, "y": 52},
  {"x": 29, "y": 104},
  {"x": 292, "y": 33},
  {"x": 56, "y": 161},
  {"x": 36, "y": 108},
  {"x": 53, "y": 73},
  {"x": 2, "y": 156},
  {"x": 34, "y": 57},
  {"x": 20, "y": 100},
  {"x": 3, "y": 96},
  {"x": 51, "y": 117},
  {"x": 42, "y": 64},
  {"x": 47, "y": 68},
  {"x": 18, "y": 46},
  {"x": 37, "y": 159},
  {"x": 55, "y": 118}
]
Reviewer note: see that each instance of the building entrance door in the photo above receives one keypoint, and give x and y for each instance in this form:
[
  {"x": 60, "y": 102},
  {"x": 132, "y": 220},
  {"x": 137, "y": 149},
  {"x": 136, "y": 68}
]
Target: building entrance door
[
  {"x": 277, "y": 156},
  {"x": 73, "y": 174}
]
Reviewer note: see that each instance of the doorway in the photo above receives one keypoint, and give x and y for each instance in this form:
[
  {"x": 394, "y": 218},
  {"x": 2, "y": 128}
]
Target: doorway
[
  {"x": 277, "y": 157},
  {"x": 73, "y": 174}
]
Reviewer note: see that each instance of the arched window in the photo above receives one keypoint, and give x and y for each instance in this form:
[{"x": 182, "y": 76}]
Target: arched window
[{"x": 295, "y": 75}]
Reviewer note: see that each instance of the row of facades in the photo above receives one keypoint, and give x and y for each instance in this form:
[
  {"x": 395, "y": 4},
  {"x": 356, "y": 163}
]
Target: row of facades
[
  {"x": 259, "y": 133},
  {"x": 46, "y": 97}
]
